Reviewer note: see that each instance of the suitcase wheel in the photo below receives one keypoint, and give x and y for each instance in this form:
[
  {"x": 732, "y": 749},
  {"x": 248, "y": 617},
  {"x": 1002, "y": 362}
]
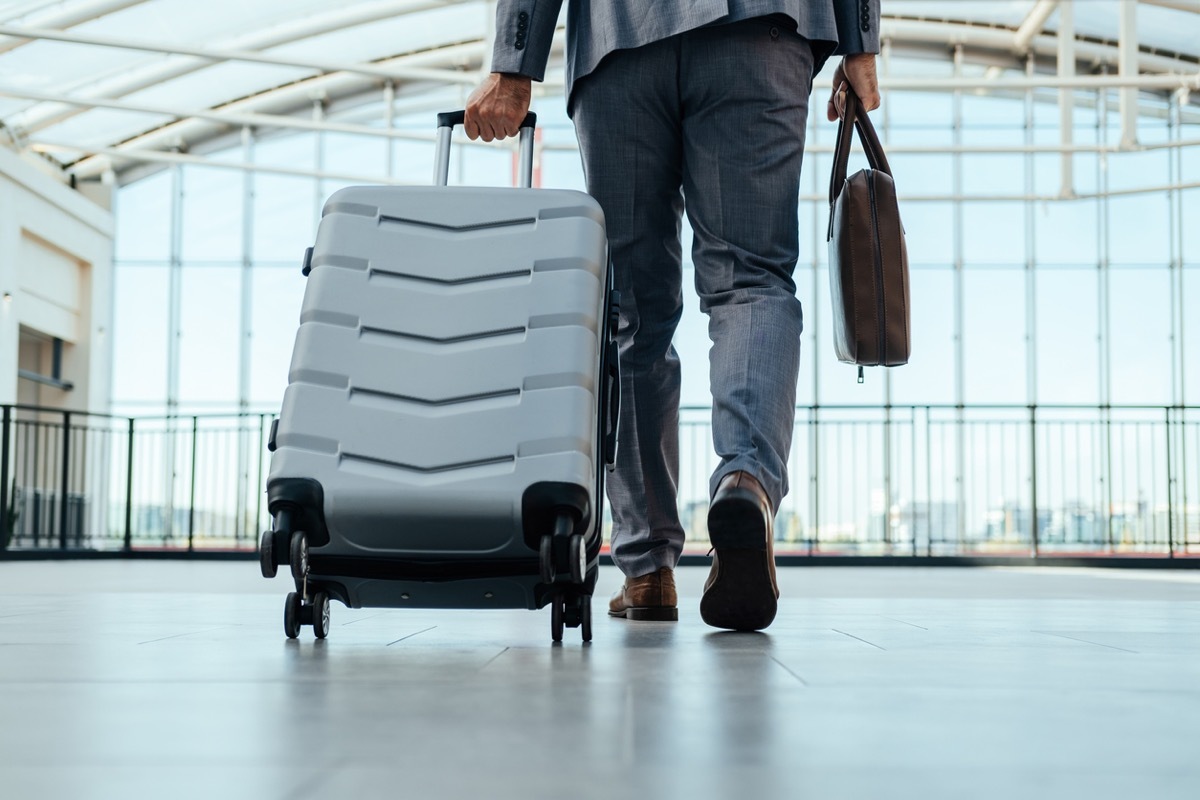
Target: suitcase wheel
[
  {"x": 546, "y": 559},
  {"x": 565, "y": 551},
  {"x": 291, "y": 615},
  {"x": 574, "y": 611},
  {"x": 556, "y": 618},
  {"x": 320, "y": 615},
  {"x": 299, "y": 553},
  {"x": 297, "y": 614},
  {"x": 266, "y": 555},
  {"x": 577, "y": 550}
]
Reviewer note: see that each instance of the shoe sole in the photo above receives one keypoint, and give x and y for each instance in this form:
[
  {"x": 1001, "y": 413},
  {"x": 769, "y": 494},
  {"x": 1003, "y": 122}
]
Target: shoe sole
[
  {"x": 742, "y": 598},
  {"x": 648, "y": 614}
]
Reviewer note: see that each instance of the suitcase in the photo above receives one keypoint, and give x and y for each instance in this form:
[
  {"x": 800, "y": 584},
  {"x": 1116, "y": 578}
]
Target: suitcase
[{"x": 451, "y": 403}]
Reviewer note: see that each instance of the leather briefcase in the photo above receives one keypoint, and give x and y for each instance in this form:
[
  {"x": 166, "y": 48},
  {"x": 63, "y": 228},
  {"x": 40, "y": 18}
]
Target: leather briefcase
[{"x": 868, "y": 263}]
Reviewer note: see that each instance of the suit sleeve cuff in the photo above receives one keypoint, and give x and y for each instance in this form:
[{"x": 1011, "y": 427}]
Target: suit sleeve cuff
[
  {"x": 858, "y": 28},
  {"x": 524, "y": 34}
]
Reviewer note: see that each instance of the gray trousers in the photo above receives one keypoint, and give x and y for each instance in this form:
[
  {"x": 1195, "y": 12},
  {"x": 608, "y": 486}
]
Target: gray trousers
[{"x": 713, "y": 121}]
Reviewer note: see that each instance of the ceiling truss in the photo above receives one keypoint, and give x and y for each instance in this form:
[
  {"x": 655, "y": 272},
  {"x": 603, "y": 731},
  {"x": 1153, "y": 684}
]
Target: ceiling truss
[{"x": 1068, "y": 64}]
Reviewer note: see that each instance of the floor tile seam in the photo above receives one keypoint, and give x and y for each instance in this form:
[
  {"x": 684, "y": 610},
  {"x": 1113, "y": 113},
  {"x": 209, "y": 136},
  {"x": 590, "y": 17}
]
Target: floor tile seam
[
  {"x": 1085, "y": 641},
  {"x": 492, "y": 660},
  {"x": 791, "y": 672},
  {"x": 859, "y": 638},
  {"x": 409, "y": 636},
  {"x": 904, "y": 622},
  {"x": 360, "y": 619},
  {"x": 188, "y": 633}
]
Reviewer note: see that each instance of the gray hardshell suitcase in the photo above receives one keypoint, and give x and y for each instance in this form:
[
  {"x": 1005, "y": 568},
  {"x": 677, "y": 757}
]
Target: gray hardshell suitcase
[{"x": 451, "y": 402}]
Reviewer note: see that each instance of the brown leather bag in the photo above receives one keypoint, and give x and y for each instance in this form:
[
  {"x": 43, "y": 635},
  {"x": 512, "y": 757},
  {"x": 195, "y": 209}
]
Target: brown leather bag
[{"x": 868, "y": 263}]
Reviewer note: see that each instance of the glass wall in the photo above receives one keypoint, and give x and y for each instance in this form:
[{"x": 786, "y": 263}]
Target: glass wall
[{"x": 1027, "y": 294}]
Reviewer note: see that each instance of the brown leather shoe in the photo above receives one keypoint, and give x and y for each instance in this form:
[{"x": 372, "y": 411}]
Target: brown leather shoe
[
  {"x": 647, "y": 597},
  {"x": 741, "y": 592}
]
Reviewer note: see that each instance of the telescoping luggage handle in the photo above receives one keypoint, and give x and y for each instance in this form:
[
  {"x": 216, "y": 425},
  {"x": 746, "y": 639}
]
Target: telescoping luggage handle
[{"x": 445, "y": 126}]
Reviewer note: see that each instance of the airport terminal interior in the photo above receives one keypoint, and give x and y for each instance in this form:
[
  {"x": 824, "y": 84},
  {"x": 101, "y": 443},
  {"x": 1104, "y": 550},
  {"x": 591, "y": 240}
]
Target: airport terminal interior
[{"x": 987, "y": 557}]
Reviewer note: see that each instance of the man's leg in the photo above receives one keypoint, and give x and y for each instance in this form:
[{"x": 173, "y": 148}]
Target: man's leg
[
  {"x": 745, "y": 100},
  {"x": 626, "y": 115},
  {"x": 745, "y": 94}
]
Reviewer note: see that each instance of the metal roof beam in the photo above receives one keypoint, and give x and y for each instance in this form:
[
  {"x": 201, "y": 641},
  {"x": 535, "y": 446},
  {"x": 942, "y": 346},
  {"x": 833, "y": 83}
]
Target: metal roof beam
[
  {"x": 181, "y": 158},
  {"x": 292, "y": 30},
  {"x": 291, "y": 98},
  {"x": 112, "y": 154},
  {"x": 73, "y": 14},
  {"x": 224, "y": 54},
  {"x": 1033, "y": 24},
  {"x": 948, "y": 34},
  {"x": 229, "y": 118},
  {"x": 1179, "y": 5}
]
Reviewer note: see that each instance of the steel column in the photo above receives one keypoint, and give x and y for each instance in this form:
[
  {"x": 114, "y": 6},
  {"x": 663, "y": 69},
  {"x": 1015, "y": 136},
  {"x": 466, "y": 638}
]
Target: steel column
[
  {"x": 1127, "y": 61},
  {"x": 1066, "y": 100},
  {"x": 246, "y": 332},
  {"x": 174, "y": 336},
  {"x": 959, "y": 292}
]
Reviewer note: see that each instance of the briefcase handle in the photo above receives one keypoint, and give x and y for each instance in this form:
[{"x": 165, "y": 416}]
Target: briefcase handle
[
  {"x": 446, "y": 121},
  {"x": 855, "y": 118}
]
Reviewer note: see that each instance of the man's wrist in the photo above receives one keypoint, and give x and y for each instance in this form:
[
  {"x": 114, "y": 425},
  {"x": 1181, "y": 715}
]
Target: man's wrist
[{"x": 513, "y": 76}]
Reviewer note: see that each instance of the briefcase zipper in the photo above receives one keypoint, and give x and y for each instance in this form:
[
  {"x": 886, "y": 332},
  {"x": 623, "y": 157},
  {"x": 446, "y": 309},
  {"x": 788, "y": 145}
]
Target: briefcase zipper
[{"x": 878, "y": 269}]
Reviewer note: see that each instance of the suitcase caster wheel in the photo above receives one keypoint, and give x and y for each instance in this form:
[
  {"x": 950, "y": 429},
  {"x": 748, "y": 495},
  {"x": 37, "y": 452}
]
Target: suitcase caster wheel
[
  {"x": 578, "y": 556},
  {"x": 556, "y": 617},
  {"x": 320, "y": 615},
  {"x": 585, "y": 611},
  {"x": 546, "y": 559},
  {"x": 291, "y": 615},
  {"x": 299, "y": 556},
  {"x": 266, "y": 555}
]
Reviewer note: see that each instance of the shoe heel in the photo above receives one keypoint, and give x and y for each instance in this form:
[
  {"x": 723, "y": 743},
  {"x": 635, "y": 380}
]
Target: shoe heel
[
  {"x": 653, "y": 614},
  {"x": 737, "y": 523},
  {"x": 742, "y": 598}
]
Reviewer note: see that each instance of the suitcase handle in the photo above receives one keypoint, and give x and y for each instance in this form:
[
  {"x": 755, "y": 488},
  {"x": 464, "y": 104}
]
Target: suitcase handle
[{"x": 445, "y": 126}]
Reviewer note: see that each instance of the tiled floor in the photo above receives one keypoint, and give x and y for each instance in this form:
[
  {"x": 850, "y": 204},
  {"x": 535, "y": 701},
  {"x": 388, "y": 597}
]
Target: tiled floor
[{"x": 173, "y": 680}]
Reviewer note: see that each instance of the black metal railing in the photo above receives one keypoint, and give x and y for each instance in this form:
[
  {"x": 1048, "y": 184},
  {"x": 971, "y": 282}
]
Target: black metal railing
[
  {"x": 934, "y": 480},
  {"x": 899, "y": 480},
  {"x": 82, "y": 481}
]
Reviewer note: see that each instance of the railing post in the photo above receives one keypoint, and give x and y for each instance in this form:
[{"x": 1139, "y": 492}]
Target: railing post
[
  {"x": 815, "y": 482},
  {"x": 192, "y": 490},
  {"x": 929, "y": 484},
  {"x": 65, "y": 483},
  {"x": 129, "y": 489},
  {"x": 912, "y": 503},
  {"x": 1108, "y": 475},
  {"x": 887, "y": 479},
  {"x": 1033, "y": 478},
  {"x": 4, "y": 497},
  {"x": 1170, "y": 492}
]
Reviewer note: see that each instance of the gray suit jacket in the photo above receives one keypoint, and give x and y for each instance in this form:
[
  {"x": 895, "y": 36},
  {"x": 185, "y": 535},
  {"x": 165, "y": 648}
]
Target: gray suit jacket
[{"x": 595, "y": 28}]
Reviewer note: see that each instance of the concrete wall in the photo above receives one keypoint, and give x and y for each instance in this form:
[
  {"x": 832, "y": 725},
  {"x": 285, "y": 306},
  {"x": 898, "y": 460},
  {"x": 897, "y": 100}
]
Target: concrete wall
[{"x": 56, "y": 281}]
